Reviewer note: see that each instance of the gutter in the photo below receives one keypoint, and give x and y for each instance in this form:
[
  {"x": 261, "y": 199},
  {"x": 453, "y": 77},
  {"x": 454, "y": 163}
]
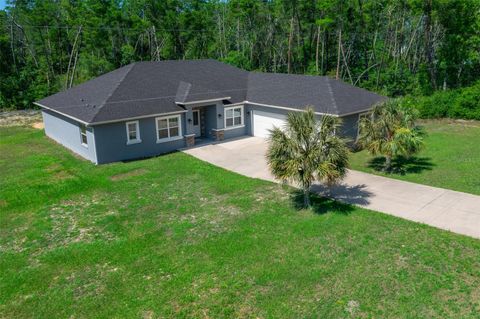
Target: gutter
[
  {"x": 66, "y": 115},
  {"x": 204, "y": 101}
]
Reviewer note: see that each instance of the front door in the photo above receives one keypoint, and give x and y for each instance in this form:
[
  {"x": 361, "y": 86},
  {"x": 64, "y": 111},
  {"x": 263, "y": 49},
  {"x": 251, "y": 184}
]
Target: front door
[{"x": 196, "y": 123}]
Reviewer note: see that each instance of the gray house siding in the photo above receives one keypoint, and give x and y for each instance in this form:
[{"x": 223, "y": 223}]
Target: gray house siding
[
  {"x": 108, "y": 142},
  {"x": 67, "y": 132},
  {"x": 111, "y": 141},
  {"x": 235, "y": 132},
  {"x": 210, "y": 120},
  {"x": 350, "y": 127}
]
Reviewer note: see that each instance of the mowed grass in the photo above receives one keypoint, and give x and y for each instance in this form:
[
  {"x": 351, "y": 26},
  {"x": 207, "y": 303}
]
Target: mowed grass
[
  {"x": 175, "y": 237},
  {"x": 450, "y": 159}
]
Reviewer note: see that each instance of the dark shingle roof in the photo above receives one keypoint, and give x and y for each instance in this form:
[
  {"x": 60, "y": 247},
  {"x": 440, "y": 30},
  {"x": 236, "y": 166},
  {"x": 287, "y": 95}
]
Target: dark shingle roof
[{"x": 148, "y": 88}]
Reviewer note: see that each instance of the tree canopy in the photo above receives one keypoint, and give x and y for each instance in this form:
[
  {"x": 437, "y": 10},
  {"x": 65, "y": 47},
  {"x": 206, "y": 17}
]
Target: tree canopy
[
  {"x": 308, "y": 150},
  {"x": 394, "y": 47}
]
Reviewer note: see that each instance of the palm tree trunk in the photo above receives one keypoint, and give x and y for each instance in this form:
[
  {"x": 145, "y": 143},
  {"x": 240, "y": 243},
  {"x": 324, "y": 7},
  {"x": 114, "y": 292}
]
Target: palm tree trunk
[
  {"x": 388, "y": 163},
  {"x": 306, "y": 197}
]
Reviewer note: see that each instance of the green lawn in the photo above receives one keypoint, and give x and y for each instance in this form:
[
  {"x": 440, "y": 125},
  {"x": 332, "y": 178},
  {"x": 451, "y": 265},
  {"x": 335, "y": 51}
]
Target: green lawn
[
  {"x": 450, "y": 159},
  {"x": 175, "y": 237}
]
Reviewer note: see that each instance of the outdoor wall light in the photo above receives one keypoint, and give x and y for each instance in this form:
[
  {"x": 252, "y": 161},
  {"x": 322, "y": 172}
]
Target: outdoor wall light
[
  {"x": 248, "y": 112},
  {"x": 189, "y": 120},
  {"x": 219, "y": 115}
]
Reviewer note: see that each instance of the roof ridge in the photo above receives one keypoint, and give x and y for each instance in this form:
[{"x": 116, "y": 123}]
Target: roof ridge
[
  {"x": 332, "y": 96},
  {"x": 187, "y": 90},
  {"x": 130, "y": 67}
]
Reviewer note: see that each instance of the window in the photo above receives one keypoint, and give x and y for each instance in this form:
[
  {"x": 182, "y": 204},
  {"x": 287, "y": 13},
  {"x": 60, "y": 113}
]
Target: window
[
  {"x": 133, "y": 132},
  {"x": 83, "y": 134},
  {"x": 168, "y": 128},
  {"x": 234, "y": 116}
]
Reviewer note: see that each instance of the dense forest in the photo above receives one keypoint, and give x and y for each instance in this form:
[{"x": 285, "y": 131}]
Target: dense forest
[{"x": 395, "y": 47}]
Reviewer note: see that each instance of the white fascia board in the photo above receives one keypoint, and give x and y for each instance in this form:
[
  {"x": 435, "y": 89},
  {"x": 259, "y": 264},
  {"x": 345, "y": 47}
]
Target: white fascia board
[
  {"x": 137, "y": 117},
  {"x": 204, "y": 101},
  {"x": 286, "y": 108},
  {"x": 61, "y": 113}
]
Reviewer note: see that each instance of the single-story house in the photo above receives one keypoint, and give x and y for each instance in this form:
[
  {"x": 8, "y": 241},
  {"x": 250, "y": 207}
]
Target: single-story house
[{"x": 149, "y": 108}]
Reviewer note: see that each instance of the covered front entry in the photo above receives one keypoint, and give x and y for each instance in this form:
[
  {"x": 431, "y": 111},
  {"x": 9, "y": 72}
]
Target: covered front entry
[
  {"x": 197, "y": 123},
  {"x": 265, "y": 121}
]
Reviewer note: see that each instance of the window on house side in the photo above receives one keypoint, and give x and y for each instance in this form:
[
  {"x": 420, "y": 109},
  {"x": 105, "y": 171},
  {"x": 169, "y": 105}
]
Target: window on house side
[
  {"x": 83, "y": 134},
  {"x": 168, "y": 128},
  {"x": 234, "y": 116},
  {"x": 133, "y": 132}
]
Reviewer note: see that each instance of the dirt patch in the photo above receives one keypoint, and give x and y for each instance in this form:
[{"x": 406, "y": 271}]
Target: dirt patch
[
  {"x": 20, "y": 118},
  {"x": 38, "y": 125},
  {"x": 122, "y": 176},
  {"x": 58, "y": 172}
]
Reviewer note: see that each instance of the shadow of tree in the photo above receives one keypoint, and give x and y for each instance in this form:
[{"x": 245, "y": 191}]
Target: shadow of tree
[
  {"x": 321, "y": 205},
  {"x": 336, "y": 199},
  {"x": 356, "y": 195},
  {"x": 403, "y": 165}
]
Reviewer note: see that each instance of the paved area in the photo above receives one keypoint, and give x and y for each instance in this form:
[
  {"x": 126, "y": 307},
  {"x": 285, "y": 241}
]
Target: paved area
[{"x": 441, "y": 208}]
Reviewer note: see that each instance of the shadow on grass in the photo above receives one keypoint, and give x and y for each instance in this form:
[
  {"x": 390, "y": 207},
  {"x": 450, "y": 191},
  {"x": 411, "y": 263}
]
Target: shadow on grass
[
  {"x": 403, "y": 165},
  {"x": 335, "y": 199}
]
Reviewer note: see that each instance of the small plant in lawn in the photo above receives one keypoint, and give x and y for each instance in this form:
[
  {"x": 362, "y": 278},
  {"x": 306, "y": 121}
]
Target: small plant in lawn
[
  {"x": 306, "y": 150},
  {"x": 390, "y": 130}
]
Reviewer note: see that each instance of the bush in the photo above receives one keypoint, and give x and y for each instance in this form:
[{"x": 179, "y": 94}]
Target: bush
[{"x": 460, "y": 104}]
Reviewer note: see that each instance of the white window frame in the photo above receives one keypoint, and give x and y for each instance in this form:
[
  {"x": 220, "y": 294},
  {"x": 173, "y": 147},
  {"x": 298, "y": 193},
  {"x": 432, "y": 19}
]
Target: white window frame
[
  {"x": 82, "y": 126},
  {"x": 242, "y": 118},
  {"x": 137, "y": 130},
  {"x": 169, "y": 138}
]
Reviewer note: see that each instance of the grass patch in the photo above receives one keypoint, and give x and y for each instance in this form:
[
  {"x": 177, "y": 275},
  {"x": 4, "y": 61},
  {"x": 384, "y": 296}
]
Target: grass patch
[
  {"x": 185, "y": 239},
  {"x": 450, "y": 159}
]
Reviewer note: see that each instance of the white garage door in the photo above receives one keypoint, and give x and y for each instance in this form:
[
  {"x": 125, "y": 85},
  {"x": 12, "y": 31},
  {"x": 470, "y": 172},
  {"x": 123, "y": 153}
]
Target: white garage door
[{"x": 264, "y": 121}]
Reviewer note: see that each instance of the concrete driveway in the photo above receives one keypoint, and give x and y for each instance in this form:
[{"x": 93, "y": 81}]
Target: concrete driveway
[{"x": 441, "y": 208}]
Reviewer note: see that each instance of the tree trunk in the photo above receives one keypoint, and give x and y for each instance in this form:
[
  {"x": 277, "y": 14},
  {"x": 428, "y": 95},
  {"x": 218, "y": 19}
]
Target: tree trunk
[
  {"x": 338, "y": 54},
  {"x": 306, "y": 197},
  {"x": 290, "y": 39},
  {"x": 428, "y": 42},
  {"x": 71, "y": 56},
  {"x": 388, "y": 163},
  {"x": 317, "y": 49}
]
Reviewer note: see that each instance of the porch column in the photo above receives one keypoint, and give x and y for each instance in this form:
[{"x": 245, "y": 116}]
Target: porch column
[
  {"x": 189, "y": 134},
  {"x": 189, "y": 121},
  {"x": 218, "y": 132},
  {"x": 219, "y": 108}
]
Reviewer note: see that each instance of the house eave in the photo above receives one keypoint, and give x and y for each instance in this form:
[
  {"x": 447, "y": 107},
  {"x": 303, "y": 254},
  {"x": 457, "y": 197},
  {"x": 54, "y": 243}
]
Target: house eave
[
  {"x": 204, "y": 101},
  {"x": 356, "y": 112},
  {"x": 61, "y": 113},
  {"x": 137, "y": 117},
  {"x": 285, "y": 108}
]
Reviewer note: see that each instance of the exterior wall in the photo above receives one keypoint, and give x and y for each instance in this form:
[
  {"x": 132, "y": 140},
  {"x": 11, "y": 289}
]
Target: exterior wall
[
  {"x": 236, "y": 132},
  {"x": 108, "y": 142},
  {"x": 210, "y": 120},
  {"x": 111, "y": 141},
  {"x": 67, "y": 132},
  {"x": 350, "y": 127}
]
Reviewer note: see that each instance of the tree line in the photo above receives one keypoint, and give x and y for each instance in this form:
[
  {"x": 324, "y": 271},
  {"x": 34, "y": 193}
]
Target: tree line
[{"x": 394, "y": 47}]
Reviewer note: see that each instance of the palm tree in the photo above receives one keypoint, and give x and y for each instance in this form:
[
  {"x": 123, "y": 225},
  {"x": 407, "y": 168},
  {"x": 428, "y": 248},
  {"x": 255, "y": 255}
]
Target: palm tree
[
  {"x": 390, "y": 130},
  {"x": 306, "y": 150}
]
